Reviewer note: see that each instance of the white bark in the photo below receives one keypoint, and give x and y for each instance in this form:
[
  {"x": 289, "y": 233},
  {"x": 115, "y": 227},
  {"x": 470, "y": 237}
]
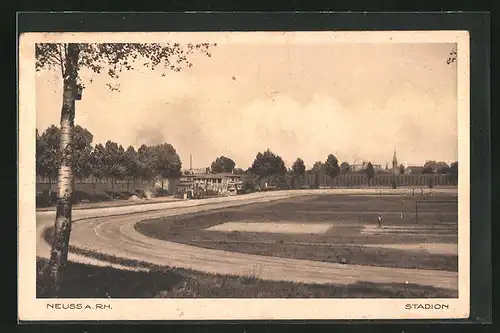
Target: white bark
[{"x": 62, "y": 223}]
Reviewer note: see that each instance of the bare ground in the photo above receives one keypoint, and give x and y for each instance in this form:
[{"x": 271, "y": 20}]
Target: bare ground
[{"x": 398, "y": 242}]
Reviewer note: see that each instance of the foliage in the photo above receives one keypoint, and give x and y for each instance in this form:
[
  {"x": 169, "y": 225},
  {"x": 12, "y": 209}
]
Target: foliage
[
  {"x": 268, "y": 164},
  {"x": 47, "y": 152},
  {"x": 453, "y": 175},
  {"x": 48, "y": 156},
  {"x": 317, "y": 169},
  {"x": 131, "y": 163},
  {"x": 113, "y": 161},
  {"x": 402, "y": 169},
  {"x": 332, "y": 167},
  {"x": 297, "y": 172},
  {"x": 114, "y": 58},
  {"x": 39, "y": 148},
  {"x": 222, "y": 164},
  {"x": 248, "y": 186},
  {"x": 298, "y": 167},
  {"x": 82, "y": 150},
  {"x": 344, "y": 168},
  {"x": 239, "y": 171},
  {"x": 318, "y": 166},
  {"x": 165, "y": 161},
  {"x": 145, "y": 163},
  {"x": 370, "y": 171},
  {"x": 97, "y": 160},
  {"x": 428, "y": 170},
  {"x": 452, "y": 57}
]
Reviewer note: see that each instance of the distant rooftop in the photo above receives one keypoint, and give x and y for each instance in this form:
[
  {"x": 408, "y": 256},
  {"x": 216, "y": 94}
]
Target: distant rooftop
[
  {"x": 195, "y": 170},
  {"x": 218, "y": 175},
  {"x": 213, "y": 175}
]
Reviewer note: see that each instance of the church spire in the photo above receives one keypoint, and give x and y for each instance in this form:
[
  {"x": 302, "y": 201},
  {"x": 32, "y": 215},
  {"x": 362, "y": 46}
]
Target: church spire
[{"x": 394, "y": 161}]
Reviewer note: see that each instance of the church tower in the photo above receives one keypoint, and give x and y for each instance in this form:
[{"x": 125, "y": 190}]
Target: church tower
[{"x": 395, "y": 166}]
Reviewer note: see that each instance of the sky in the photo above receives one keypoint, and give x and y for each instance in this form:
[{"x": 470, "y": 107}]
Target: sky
[{"x": 358, "y": 101}]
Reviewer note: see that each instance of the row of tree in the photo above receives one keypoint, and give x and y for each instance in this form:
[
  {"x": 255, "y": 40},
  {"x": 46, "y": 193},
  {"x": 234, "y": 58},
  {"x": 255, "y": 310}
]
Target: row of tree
[
  {"x": 112, "y": 161},
  {"x": 268, "y": 164},
  {"x": 105, "y": 161},
  {"x": 264, "y": 162}
]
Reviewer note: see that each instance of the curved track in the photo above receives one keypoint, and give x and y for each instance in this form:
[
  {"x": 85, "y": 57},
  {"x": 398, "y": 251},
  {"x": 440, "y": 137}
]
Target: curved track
[{"x": 115, "y": 235}]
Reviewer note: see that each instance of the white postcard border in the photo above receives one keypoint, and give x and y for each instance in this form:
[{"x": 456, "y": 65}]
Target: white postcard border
[{"x": 32, "y": 309}]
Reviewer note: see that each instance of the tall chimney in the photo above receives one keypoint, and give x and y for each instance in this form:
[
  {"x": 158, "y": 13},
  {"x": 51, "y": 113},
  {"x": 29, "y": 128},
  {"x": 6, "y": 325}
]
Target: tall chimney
[{"x": 191, "y": 162}]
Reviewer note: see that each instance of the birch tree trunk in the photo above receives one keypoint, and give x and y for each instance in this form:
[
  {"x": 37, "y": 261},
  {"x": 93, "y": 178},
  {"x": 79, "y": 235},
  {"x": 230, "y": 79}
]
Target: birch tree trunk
[{"x": 62, "y": 223}]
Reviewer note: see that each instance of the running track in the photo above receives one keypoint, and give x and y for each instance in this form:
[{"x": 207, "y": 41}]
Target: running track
[{"x": 111, "y": 231}]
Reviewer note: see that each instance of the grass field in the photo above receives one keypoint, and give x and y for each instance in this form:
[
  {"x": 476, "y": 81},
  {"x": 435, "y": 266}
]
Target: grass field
[
  {"x": 107, "y": 282},
  {"x": 351, "y": 236}
]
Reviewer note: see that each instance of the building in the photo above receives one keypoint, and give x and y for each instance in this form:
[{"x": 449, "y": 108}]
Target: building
[
  {"x": 222, "y": 183},
  {"x": 362, "y": 166},
  {"x": 414, "y": 169},
  {"x": 195, "y": 171},
  {"x": 356, "y": 167}
]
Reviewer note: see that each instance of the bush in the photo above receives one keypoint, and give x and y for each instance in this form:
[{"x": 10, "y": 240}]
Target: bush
[
  {"x": 248, "y": 187},
  {"x": 394, "y": 184}
]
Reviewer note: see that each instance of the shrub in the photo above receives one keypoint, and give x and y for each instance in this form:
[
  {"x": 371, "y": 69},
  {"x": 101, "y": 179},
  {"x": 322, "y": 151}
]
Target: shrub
[
  {"x": 394, "y": 184},
  {"x": 248, "y": 187}
]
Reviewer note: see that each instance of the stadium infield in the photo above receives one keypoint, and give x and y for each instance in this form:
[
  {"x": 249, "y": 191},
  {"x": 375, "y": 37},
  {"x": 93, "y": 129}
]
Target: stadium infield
[{"x": 329, "y": 228}]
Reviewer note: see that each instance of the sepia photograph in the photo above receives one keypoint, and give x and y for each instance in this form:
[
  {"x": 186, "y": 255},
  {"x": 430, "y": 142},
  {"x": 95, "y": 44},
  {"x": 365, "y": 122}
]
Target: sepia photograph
[{"x": 244, "y": 175}]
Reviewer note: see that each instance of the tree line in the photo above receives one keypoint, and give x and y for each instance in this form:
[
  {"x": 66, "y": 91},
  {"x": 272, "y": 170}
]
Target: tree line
[
  {"x": 268, "y": 165},
  {"x": 105, "y": 161},
  {"x": 110, "y": 161}
]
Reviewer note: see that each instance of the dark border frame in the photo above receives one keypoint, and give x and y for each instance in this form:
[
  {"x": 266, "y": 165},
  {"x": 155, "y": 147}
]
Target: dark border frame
[{"x": 478, "y": 25}]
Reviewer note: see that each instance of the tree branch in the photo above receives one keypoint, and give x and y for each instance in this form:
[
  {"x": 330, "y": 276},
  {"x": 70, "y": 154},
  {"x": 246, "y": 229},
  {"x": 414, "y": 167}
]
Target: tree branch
[
  {"x": 61, "y": 59},
  {"x": 54, "y": 60}
]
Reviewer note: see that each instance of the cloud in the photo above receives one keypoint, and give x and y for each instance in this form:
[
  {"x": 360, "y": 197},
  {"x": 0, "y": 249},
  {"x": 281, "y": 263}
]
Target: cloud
[{"x": 355, "y": 101}]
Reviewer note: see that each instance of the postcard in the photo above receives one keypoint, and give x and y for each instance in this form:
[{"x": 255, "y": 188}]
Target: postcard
[{"x": 244, "y": 175}]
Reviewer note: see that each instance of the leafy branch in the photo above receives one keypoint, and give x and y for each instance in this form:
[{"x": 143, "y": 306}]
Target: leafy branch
[{"x": 114, "y": 58}]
